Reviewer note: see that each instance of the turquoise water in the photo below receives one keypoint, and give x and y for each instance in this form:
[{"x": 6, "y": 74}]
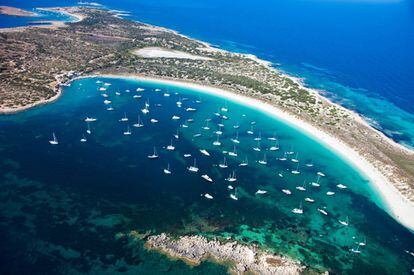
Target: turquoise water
[{"x": 61, "y": 206}]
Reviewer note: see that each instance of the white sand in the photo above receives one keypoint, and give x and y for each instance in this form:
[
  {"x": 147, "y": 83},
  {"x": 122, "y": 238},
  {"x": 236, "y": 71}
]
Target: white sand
[
  {"x": 401, "y": 209},
  {"x": 155, "y": 52}
]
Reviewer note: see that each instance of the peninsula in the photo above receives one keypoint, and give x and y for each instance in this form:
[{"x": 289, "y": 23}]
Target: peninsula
[
  {"x": 12, "y": 11},
  {"x": 37, "y": 61}
]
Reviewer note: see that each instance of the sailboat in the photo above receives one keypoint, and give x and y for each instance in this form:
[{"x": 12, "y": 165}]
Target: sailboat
[
  {"x": 323, "y": 211},
  {"x": 257, "y": 148},
  {"x": 244, "y": 163},
  {"x": 232, "y": 177},
  {"x": 145, "y": 110},
  {"x": 301, "y": 188},
  {"x": 90, "y": 119},
  {"x": 193, "y": 168},
  {"x": 341, "y": 186},
  {"x": 208, "y": 196},
  {"x": 286, "y": 191},
  {"x": 356, "y": 250},
  {"x": 237, "y": 126},
  {"x": 364, "y": 243},
  {"x": 316, "y": 184},
  {"x": 234, "y": 196},
  {"x": 167, "y": 170},
  {"x": 272, "y": 137},
  {"x": 295, "y": 159},
  {"x": 204, "y": 152},
  {"x": 224, "y": 109},
  {"x": 296, "y": 171},
  {"x": 283, "y": 158},
  {"x": 154, "y": 154},
  {"x": 260, "y": 192},
  {"x": 251, "y": 132},
  {"x": 206, "y": 127},
  {"x": 309, "y": 164},
  {"x": 330, "y": 193},
  {"x": 176, "y": 135},
  {"x": 124, "y": 119},
  {"x": 223, "y": 164},
  {"x": 217, "y": 142},
  {"x": 54, "y": 141},
  {"x": 170, "y": 147},
  {"x": 274, "y": 147},
  {"x": 236, "y": 139},
  {"x": 264, "y": 160},
  {"x": 309, "y": 200},
  {"x": 88, "y": 130},
  {"x": 207, "y": 178},
  {"x": 259, "y": 137},
  {"x": 345, "y": 222},
  {"x": 128, "y": 131},
  {"x": 83, "y": 139},
  {"x": 139, "y": 123},
  {"x": 233, "y": 153},
  {"x": 298, "y": 210}
]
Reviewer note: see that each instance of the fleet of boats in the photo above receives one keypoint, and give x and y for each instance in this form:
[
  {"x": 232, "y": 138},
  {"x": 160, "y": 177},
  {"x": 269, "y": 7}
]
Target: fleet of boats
[{"x": 219, "y": 139}]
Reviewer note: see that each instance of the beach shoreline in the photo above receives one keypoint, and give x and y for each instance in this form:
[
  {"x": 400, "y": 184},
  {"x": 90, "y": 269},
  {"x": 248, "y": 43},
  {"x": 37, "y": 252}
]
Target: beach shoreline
[{"x": 395, "y": 204}]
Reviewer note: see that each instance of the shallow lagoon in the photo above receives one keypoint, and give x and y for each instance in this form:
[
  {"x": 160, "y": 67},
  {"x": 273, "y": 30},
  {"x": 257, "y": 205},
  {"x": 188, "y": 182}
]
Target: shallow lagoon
[{"x": 62, "y": 206}]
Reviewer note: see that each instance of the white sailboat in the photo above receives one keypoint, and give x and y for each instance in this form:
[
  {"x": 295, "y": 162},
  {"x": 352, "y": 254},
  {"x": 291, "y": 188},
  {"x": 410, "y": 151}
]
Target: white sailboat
[
  {"x": 309, "y": 200},
  {"x": 54, "y": 141},
  {"x": 124, "y": 119},
  {"x": 88, "y": 130},
  {"x": 356, "y": 250},
  {"x": 263, "y": 161},
  {"x": 187, "y": 155},
  {"x": 244, "y": 163},
  {"x": 257, "y": 148},
  {"x": 232, "y": 177},
  {"x": 341, "y": 186},
  {"x": 251, "y": 132},
  {"x": 217, "y": 141},
  {"x": 298, "y": 210},
  {"x": 153, "y": 120},
  {"x": 170, "y": 147},
  {"x": 83, "y": 139},
  {"x": 301, "y": 188},
  {"x": 167, "y": 170},
  {"x": 233, "y": 197},
  {"x": 260, "y": 192},
  {"x": 330, "y": 193},
  {"x": 139, "y": 123},
  {"x": 323, "y": 211},
  {"x": 284, "y": 158},
  {"x": 128, "y": 131},
  {"x": 206, "y": 127},
  {"x": 316, "y": 184},
  {"x": 233, "y": 153},
  {"x": 177, "y": 135},
  {"x": 287, "y": 191},
  {"x": 193, "y": 168},
  {"x": 259, "y": 137},
  {"x": 345, "y": 222},
  {"x": 296, "y": 171},
  {"x": 207, "y": 178},
  {"x": 175, "y": 117},
  {"x": 223, "y": 165},
  {"x": 90, "y": 119},
  {"x": 272, "y": 137},
  {"x": 154, "y": 154},
  {"x": 274, "y": 147},
  {"x": 295, "y": 159},
  {"x": 208, "y": 196},
  {"x": 204, "y": 152},
  {"x": 236, "y": 139}
]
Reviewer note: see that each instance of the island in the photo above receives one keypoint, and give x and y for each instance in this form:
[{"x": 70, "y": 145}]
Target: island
[{"x": 37, "y": 62}]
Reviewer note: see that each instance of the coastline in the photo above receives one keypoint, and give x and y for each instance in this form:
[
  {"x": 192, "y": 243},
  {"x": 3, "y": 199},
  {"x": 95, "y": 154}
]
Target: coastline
[{"x": 398, "y": 207}]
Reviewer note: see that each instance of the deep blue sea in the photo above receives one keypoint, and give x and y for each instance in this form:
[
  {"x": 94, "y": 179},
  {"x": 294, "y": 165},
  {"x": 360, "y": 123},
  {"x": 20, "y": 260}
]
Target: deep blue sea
[{"x": 358, "y": 51}]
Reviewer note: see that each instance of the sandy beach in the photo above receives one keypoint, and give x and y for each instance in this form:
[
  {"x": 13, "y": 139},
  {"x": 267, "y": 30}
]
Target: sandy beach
[
  {"x": 156, "y": 52},
  {"x": 395, "y": 204}
]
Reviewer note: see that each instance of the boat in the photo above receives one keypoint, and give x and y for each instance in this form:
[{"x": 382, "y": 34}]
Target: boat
[
  {"x": 330, "y": 193},
  {"x": 141, "y": 89},
  {"x": 260, "y": 192},
  {"x": 136, "y": 96},
  {"x": 316, "y": 184},
  {"x": 170, "y": 147},
  {"x": 284, "y": 158},
  {"x": 106, "y": 101},
  {"x": 230, "y": 187},
  {"x": 166, "y": 94},
  {"x": 232, "y": 177},
  {"x": 217, "y": 142},
  {"x": 175, "y": 118},
  {"x": 309, "y": 164},
  {"x": 128, "y": 131},
  {"x": 356, "y": 250},
  {"x": 190, "y": 120},
  {"x": 286, "y": 191},
  {"x": 236, "y": 139},
  {"x": 364, "y": 243},
  {"x": 176, "y": 135},
  {"x": 204, "y": 152},
  {"x": 224, "y": 109},
  {"x": 264, "y": 160},
  {"x": 309, "y": 200},
  {"x": 117, "y": 93},
  {"x": 250, "y": 132},
  {"x": 274, "y": 147},
  {"x": 237, "y": 126},
  {"x": 153, "y": 120},
  {"x": 197, "y": 135},
  {"x": 90, "y": 119},
  {"x": 257, "y": 148},
  {"x": 233, "y": 197},
  {"x": 320, "y": 174},
  {"x": 105, "y": 95},
  {"x": 233, "y": 153},
  {"x": 124, "y": 119},
  {"x": 187, "y": 155},
  {"x": 223, "y": 164},
  {"x": 189, "y": 109},
  {"x": 244, "y": 163},
  {"x": 54, "y": 141},
  {"x": 341, "y": 186},
  {"x": 139, "y": 123},
  {"x": 154, "y": 154},
  {"x": 207, "y": 178},
  {"x": 298, "y": 210},
  {"x": 296, "y": 171},
  {"x": 206, "y": 127},
  {"x": 102, "y": 89},
  {"x": 301, "y": 188},
  {"x": 167, "y": 170},
  {"x": 110, "y": 108},
  {"x": 127, "y": 91},
  {"x": 345, "y": 222},
  {"x": 295, "y": 159},
  {"x": 83, "y": 139},
  {"x": 323, "y": 211},
  {"x": 179, "y": 103},
  {"x": 259, "y": 137},
  {"x": 272, "y": 137},
  {"x": 208, "y": 196},
  {"x": 280, "y": 174},
  {"x": 193, "y": 168},
  {"x": 88, "y": 130}
]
